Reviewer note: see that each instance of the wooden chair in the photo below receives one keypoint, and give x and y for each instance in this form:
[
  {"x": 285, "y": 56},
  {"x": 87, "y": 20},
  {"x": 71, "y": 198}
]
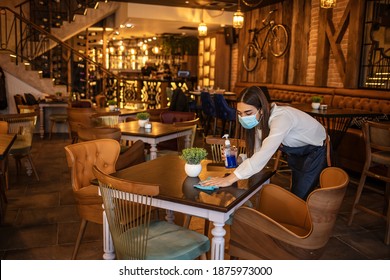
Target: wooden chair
[
  {"x": 19, "y": 100},
  {"x": 23, "y": 125},
  {"x": 102, "y": 119},
  {"x": 129, "y": 155},
  {"x": 287, "y": 227},
  {"x": 179, "y": 119},
  {"x": 81, "y": 158},
  {"x": 79, "y": 117},
  {"x": 217, "y": 144},
  {"x": 101, "y": 100},
  {"x": 377, "y": 139},
  {"x": 134, "y": 233},
  {"x": 3, "y": 127}
]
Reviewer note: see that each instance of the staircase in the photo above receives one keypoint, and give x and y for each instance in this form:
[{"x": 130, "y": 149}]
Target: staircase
[{"x": 41, "y": 58}]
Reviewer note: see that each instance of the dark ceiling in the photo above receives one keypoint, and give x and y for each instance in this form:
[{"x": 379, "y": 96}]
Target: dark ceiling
[{"x": 227, "y": 5}]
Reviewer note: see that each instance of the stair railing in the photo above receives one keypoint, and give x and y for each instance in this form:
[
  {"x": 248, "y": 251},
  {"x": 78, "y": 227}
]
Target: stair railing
[{"x": 27, "y": 41}]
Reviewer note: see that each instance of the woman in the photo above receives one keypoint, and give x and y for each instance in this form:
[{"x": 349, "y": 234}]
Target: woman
[{"x": 268, "y": 128}]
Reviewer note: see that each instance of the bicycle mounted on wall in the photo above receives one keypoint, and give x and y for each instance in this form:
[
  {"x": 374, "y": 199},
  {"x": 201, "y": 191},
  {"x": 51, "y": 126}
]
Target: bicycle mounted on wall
[{"x": 277, "y": 38}]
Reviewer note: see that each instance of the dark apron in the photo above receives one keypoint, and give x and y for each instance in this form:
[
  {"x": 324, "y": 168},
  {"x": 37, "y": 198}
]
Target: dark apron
[{"x": 306, "y": 163}]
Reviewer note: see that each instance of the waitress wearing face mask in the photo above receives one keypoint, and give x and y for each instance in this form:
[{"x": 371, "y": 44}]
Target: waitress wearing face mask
[{"x": 268, "y": 128}]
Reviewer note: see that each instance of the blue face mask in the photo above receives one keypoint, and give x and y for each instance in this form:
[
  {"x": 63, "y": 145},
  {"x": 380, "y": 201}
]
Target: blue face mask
[{"x": 249, "y": 122}]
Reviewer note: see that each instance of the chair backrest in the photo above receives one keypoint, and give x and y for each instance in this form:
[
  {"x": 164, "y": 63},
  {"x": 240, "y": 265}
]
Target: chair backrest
[
  {"x": 208, "y": 106},
  {"x": 79, "y": 117},
  {"x": 223, "y": 110},
  {"x": 19, "y": 100},
  {"x": 101, "y": 101},
  {"x": 155, "y": 114},
  {"x": 128, "y": 208},
  {"x": 217, "y": 143},
  {"x": 3, "y": 127},
  {"x": 179, "y": 101},
  {"x": 181, "y": 119},
  {"x": 30, "y": 99},
  {"x": 191, "y": 123},
  {"x": 28, "y": 108},
  {"x": 23, "y": 125},
  {"x": 174, "y": 117},
  {"x": 105, "y": 118},
  {"x": 81, "y": 158},
  {"x": 324, "y": 204},
  {"x": 377, "y": 137},
  {"x": 93, "y": 133}
]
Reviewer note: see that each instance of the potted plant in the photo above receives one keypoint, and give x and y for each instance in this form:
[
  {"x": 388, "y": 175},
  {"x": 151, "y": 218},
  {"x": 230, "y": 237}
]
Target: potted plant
[
  {"x": 193, "y": 157},
  {"x": 143, "y": 118},
  {"x": 111, "y": 104},
  {"x": 316, "y": 101}
]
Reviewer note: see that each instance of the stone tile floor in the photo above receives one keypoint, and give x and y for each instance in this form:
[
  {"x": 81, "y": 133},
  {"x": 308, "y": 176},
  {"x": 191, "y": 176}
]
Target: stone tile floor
[{"x": 42, "y": 223}]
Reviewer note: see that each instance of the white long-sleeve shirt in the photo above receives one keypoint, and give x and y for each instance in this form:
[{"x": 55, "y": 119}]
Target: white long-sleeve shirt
[{"x": 288, "y": 126}]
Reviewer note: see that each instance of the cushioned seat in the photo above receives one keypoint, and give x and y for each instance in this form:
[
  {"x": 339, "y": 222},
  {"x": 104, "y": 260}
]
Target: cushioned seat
[{"x": 189, "y": 244}]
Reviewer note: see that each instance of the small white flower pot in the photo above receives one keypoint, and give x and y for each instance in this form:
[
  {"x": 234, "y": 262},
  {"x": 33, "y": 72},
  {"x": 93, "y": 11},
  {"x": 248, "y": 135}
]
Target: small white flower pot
[
  {"x": 192, "y": 170},
  {"x": 111, "y": 107},
  {"x": 142, "y": 123},
  {"x": 315, "y": 105}
]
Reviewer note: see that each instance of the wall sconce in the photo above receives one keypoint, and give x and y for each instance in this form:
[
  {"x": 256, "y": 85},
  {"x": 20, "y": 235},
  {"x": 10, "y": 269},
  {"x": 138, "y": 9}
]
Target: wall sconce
[
  {"x": 328, "y": 4},
  {"x": 202, "y": 28},
  {"x": 238, "y": 18}
]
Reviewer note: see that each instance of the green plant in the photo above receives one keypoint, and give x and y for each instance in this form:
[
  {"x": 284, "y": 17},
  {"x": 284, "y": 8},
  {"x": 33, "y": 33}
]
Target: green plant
[
  {"x": 143, "y": 115},
  {"x": 316, "y": 99},
  {"x": 111, "y": 102},
  {"x": 193, "y": 155},
  {"x": 59, "y": 93}
]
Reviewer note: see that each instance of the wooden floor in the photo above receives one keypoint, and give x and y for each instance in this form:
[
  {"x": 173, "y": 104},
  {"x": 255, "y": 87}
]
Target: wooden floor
[{"x": 41, "y": 221}]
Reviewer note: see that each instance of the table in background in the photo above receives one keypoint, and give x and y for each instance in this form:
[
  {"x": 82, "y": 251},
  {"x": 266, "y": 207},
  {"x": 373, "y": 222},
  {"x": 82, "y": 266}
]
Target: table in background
[
  {"x": 177, "y": 193},
  {"x": 42, "y": 107},
  {"x": 159, "y": 132},
  {"x": 336, "y": 121},
  {"x": 6, "y": 142}
]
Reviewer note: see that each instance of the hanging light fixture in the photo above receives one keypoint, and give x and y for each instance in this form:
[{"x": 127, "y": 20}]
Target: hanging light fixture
[
  {"x": 202, "y": 28},
  {"x": 328, "y": 4},
  {"x": 238, "y": 18}
]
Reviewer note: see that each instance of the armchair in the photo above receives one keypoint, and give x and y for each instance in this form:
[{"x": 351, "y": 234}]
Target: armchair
[
  {"x": 129, "y": 155},
  {"x": 287, "y": 227},
  {"x": 23, "y": 125},
  {"x": 81, "y": 158}
]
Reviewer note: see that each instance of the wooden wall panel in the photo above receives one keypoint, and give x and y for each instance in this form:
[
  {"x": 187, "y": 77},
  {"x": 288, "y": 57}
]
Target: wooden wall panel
[{"x": 293, "y": 67}]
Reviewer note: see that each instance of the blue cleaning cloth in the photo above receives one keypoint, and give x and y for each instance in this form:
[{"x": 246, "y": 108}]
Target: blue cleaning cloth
[{"x": 206, "y": 188}]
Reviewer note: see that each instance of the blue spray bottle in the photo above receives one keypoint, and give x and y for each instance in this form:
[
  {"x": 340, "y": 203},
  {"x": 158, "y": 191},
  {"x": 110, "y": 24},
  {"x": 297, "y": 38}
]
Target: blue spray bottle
[{"x": 230, "y": 159}]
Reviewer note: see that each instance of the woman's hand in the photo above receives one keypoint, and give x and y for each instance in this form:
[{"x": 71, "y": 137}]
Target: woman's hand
[{"x": 220, "y": 181}]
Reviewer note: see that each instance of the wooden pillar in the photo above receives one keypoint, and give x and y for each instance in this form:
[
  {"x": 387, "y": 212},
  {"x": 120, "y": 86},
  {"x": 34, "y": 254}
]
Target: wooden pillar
[
  {"x": 356, "y": 28},
  {"x": 323, "y": 49}
]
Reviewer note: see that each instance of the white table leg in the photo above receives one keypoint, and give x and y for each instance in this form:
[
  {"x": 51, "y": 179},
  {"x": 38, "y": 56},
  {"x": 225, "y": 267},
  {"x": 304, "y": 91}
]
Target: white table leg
[
  {"x": 42, "y": 122},
  {"x": 218, "y": 242},
  {"x": 108, "y": 245},
  {"x": 170, "y": 217},
  {"x": 153, "y": 151}
]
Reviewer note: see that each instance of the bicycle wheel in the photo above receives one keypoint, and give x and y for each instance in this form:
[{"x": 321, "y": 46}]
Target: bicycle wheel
[
  {"x": 252, "y": 3},
  {"x": 250, "y": 57},
  {"x": 279, "y": 40}
]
